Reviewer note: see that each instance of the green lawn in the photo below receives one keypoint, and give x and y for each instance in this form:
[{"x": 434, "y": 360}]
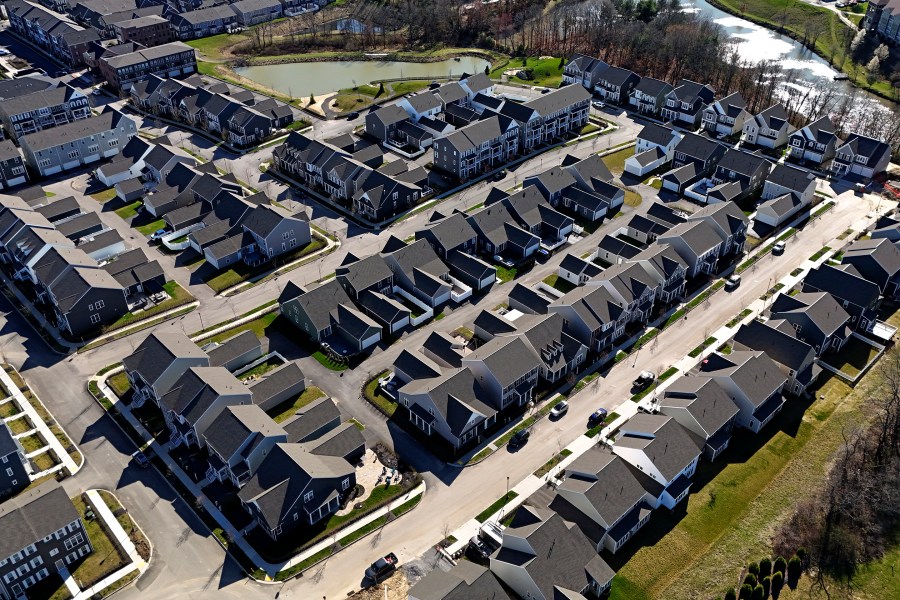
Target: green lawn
[
  {"x": 105, "y": 195},
  {"x": 853, "y": 357},
  {"x": 261, "y": 369},
  {"x": 546, "y": 72},
  {"x": 556, "y": 282},
  {"x": 285, "y": 410},
  {"x": 632, "y": 199},
  {"x": 327, "y": 362},
  {"x": 31, "y": 443},
  {"x": 9, "y": 409},
  {"x": 20, "y": 425},
  {"x": 212, "y": 46},
  {"x": 736, "y": 503},
  {"x": 496, "y": 506},
  {"x": 504, "y": 274},
  {"x": 408, "y": 87},
  {"x": 241, "y": 272},
  {"x": 552, "y": 463},
  {"x": 151, "y": 227},
  {"x": 374, "y": 395},
  {"x": 257, "y": 326},
  {"x": 343, "y": 103},
  {"x": 129, "y": 210},
  {"x": 616, "y": 160},
  {"x": 106, "y": 557},
  {"x": 178, "y": 296}
]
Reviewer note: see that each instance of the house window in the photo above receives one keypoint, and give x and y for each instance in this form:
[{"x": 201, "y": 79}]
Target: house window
[
  {"x": 73, "y": 154},
  {"x": 113, "y": 143},
  {"x": 44, "y": 163},
  {"x": 95, "y": 318},
  {"x": 9, "y": 472},
  {"x": 75, "y": 540},
  {"x": 307, "y": 497},
  {"x": 345, "y": 484},
  {"x": 99, "y": 304}
]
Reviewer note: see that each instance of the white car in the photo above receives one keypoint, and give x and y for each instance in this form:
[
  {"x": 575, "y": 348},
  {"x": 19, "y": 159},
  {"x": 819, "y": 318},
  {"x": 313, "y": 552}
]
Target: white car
[
  {"x": 559, "y": 410},
  {"x": 97, "y": 92},
  {"x": 4, "y": 52}
]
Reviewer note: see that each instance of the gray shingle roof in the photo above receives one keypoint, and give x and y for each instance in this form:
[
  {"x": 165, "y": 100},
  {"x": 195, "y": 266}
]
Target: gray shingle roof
[
  {"x": 33, "y": 515},
  {"x": 283, "y": 379},
  {"x": 76, "y": 130},
  {"x": 311, "y": 418},
  {"x": 452, "y": 231},
  {"x": 507, "y": 358},
  {"x": 782, "y": 347},
  {"x": 606, "y": 481},
  {"x": 752, "y": 372},
  {"x": 235, "y": 424},
  {"x": 668, "y": 445},
  {"x": 234, "y": 347},
  {"x": 704, "y": 399},
  {"x": 319, "y": 301}
]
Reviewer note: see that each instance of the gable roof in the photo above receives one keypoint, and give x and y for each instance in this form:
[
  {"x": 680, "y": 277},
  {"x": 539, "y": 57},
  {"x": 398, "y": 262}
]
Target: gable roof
[
  {"x": 235, "y": 424},
  {"x": 704, "y": 400},
  {"x": 668, "y": 445},
  {"x": 606, "y": 481},
  {"x": 793, "y": 179},
  {"x": 33, "y": 515},
  {"x": 456, "y": 394},
  {"x": 753, "y": 372}
]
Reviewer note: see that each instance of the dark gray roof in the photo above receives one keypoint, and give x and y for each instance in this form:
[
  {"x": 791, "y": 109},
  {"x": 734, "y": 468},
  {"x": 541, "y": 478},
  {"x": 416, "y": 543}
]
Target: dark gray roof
[
  {"x": 617, "y": 76},
  {"x": 820, "y": 309},
  {"x": 478, "y": 82},
  {"x": 235, "y": 424},
  {"x": 704, "y": 399},
  {"x": 774, "y": 117},
  {"x": 558, "y": 100},
  {"x": 652, "y": 87},
  {"x": 507, "y": 358},
  {"x": 781, "y": 346},
  {"x": 452, "y": 231},
  {"x": 311, "y": 418},
  {"x": 744, "y": 163},
  {"x": 697, "y": 146},
  {"x": 98, "y": 241},
  {"x": 683, "y": 174},
  {"x": 69, "y": 287},
  {"x": 416, "y": 365},
  {"x": 843, "y": 282},
  {"x": 699, "y": 236},
  {"x": 424, "y": 102},
  {"x": 618, "y": 247},
  {"x": 753, "y": 372},
  {"x": 76, "y": 130},
  {"x": 342, "y": 441},
  {"x": 465, "y": 581},
  {"x": 198, "y": 388},
  {"x": 80, "y": 226},
  {"x": 457, "y": 396},
  {"x": 234, "y": 347},
  {"x": 59, "y": 208},
  {"x": 791, "y": 178},
  {"x": 668, "y": 445},
  {"x": 319, "y": 301},
  {"x": 33, "y": 515},
  {"x": 364, "y": 272},
  {"x": 865, "y": 146},
  {"x": 56, "y": 260},
  {"x": 387, "y": 310},
  {"x": 470, "y": 265},
  {"x": 605, "y": 481},
  {"x": 656, "y": 134},
  {"x": 285, "y": 378},
  {"x": 8, "y": 444}
]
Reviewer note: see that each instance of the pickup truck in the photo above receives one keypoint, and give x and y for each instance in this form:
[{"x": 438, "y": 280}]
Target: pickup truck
[{"x": 381, "y": 568}]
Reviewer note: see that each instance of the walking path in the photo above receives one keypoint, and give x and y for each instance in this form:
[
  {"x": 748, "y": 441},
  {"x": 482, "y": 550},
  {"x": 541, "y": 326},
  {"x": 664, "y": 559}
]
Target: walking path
[{"x": 40, "y": 426}]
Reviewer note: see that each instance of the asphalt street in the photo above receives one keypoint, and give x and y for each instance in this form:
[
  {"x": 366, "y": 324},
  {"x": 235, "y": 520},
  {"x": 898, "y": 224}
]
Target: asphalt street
[{"x": 188, "y": 563}]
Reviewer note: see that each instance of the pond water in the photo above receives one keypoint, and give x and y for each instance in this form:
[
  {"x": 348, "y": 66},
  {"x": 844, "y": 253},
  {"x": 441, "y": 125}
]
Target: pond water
[
  {"x": 805, "y": 69},
  {"x": 302, "y": 79}
]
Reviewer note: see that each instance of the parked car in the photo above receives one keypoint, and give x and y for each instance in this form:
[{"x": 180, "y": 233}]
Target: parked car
[
  {"x": 598, "y": 105},
  {"x": 545, "y": 91},
  {"x": 97, "y": 92},
  {"x": 644, "y": 379},
  {"x": 157, "y": 234},
  {"x": 543, "y": 255},
  {"x": 352, "y": 115},
  {"x": 559, "y": 410},
  {"x": 499, "y": 175},
  {"x": 520, "y": 438},
  {"x": 778, "y": 248},
  {"x": 477, "y": 550},
  {"x": 382, "y": 568},
  {"x": 732, "y": 282},
  {"x": 141, "y": 460},
  {"x": 598, "y": 416},
  {"x": 4, "y": 52}
]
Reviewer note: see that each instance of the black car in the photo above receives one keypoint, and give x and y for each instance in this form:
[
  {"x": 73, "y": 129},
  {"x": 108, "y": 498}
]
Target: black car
[
  {"x": 141, "y": 460},
  {"x": 520, "y": 438},
  {"x": 477, "y": 550},
  {"x": 545, "y": 91},
  {"x": 352, "y": 115},
  {"x": 381, "y": 568}
]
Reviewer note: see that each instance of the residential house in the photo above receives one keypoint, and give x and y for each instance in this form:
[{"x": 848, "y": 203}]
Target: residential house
[
  {"x": 476, "y": 84},
  {"x": 883, "y": 17},
  {"x": 293, "y": 487},
  {"x": 604, "y": 489},
  {"x": 449, "y": 234},
  {"x": 238, "y": 440},
  {"x": 158, "y": 363},
  {"x": 856, "y": 294},
  {"x": 698, "y": 243},
  {"x": 700, "y": 405},
  {"x": 452, "y": 405},
  {"x": 861, "y": 155},
  {"x": 615, "y": 84},
  {"x": 726, "y": 116},
  {"x": 549, "y": 116},
  {"x": 148, "y": 31},
  {"x": 236, "y": 352},
  {"x": 253, "y": 12},
  {"x": 78, "y": 143},
  {"x": 649, "y": 95},
  {"x": 477, "y": 148},
  {"x": 498, "y": 235},
  {"x": 424, "y": 104},
  {"x": 886, "y": 227},
  {"x": 659, "y": 447},
  {"x": 50, "y": 31},
  {"x": 360, "y": 275},
  {"x": 877, "y": 260},
  {"x": 654, "y": 148},
  {"x": 544, "y": 558},
  {"x": 172, "y": 59},
  {"x": 583, "y": 70},
  {"x": 577, "y": 271},
  {"x": 752, "y": 380},
  {"x": 42, "y": 110},
  {"x": 769, "y": 128},
  {"x": 12, "y": 167},
  {"x": 281, "y": 385},
  {"x": 463, "y": 581},
  {"x": 747, "y": 169},
  {"x": 796, "y": 359},
  {"x": 43, "y": 535},
  {"x": 785, "y": 179},
  {"x": 203, "y": 22},
  {"x": 418, "y": 270},
  {"x": 15, "y": 469},
  {"x": 507, "y": 370},
  {"x": 816, "y": 317},
  {"x": 634, "y": 284},
  {"x": 729, "y": 222},
  {"x": 703, "y": 153},
  {"x": 383, "y": 124},
  {"x": 84, "y": 299},
  {"x": 535, "y": 215},
  {"x": 196, "y": 399},
  {"x": 667, "y": 267},
  {"x": 595, "y": 315},
  {"x": 274, "y": 231},
  {"x": 686, "y": 101},
  {"x": 815, "y": 143}
]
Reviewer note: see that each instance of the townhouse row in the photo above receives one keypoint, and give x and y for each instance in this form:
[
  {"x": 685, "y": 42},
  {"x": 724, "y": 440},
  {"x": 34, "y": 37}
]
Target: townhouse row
[
  {"x": 286, "y": 475},
  {"x": 237, "y": 115}
]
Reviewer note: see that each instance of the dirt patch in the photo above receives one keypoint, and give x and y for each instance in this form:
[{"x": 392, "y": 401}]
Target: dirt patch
[{"x": 397, "y": 589}]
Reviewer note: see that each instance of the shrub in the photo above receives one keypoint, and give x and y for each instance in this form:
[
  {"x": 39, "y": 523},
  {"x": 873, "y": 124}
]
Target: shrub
[
  {"x": 758, "y": 593},
  {"x": 750, "y": 580},
  {"x": 780, "y": 565},
  {"x": 794, "y": 568},
  {"x": 753, "y": 568},
  {"x": 746, "y": 592},
  {"x": 767, "y": 585},
  {"x": 802, "y": 554},
  {"x": 730, "y": 595},
  {"x": 777, "y": 583},
  {"x": 765, "y": 567}
]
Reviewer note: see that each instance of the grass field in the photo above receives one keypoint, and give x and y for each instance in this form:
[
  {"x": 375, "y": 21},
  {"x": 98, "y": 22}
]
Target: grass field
[
  {"x": 632, "y": 199},
  {"x": 105, "y": 195},
  {"x": 546, "y": 72},
  {"x": 616, "y": 160},
  {"x": 285, "y": 410},
  {"x": 129, "y": 210},
  {"x": 151, "y": 227},
  {"x": 257, "y": 326},
  {"x": 374, "y": 395},
  {"x": 737, "y": 502}
]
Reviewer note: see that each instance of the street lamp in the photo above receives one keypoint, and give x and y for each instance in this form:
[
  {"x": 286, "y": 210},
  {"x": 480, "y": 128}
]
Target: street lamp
[{"x": 507, "y": 489}]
